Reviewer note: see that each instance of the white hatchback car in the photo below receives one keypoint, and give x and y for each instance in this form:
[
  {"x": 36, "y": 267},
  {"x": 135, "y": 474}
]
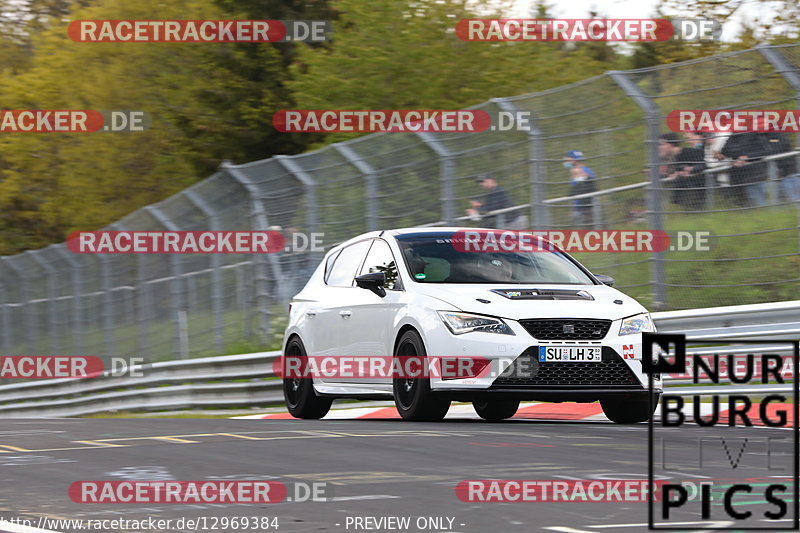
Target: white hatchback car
[{"x": 549, "y": 329}]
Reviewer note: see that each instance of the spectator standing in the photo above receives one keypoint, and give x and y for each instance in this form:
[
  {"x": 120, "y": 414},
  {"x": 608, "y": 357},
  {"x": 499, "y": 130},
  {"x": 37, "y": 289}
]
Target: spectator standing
[
  {"x": 669, "y": 146},
  {"x": 690, "y": 185},
  {"x": 749, "y": 179},
  {"x": 777, "y": 143},
  {"x": 582, "y": 181},
  {"x": 494, "y": 199},
  {"x": 714, "y": 158},
  {"x": 682, "y": 170}
]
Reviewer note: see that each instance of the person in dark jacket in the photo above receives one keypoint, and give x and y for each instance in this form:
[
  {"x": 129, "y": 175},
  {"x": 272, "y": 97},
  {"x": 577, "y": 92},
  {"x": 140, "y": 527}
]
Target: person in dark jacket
[
  {"x": 669, "y": 146},
  {"x": 494, "y": 199},
  {"x": 683, "y": 169},
  {"x": 690, "y": 185},
  {"x": 777, "y": 143},
  {"x": 748, "y": 180}
]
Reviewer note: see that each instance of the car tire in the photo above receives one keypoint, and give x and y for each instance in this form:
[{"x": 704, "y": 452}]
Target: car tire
[
  {"x": 496, "y": 409},
  {"x": 412, "y": 396},
  {"x": 298, "y": 393},
  {"x": 629, "y": 411}
]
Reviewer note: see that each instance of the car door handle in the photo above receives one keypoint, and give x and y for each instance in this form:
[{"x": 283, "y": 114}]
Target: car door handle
[
  {"x": 311, "y": 313},
  {"x": 345, "y": 314}
]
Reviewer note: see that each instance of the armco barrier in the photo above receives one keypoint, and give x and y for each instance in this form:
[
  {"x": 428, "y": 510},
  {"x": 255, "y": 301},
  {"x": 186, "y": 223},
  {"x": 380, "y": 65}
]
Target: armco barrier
[{"x": 248, "y": 381}]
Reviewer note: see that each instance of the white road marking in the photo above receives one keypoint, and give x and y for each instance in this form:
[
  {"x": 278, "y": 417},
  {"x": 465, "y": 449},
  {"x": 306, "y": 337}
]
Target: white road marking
[
  {"x": 143, "y": 473},
  {"x": 364, "y": 497},
  {"x": 27, "y": 460}
]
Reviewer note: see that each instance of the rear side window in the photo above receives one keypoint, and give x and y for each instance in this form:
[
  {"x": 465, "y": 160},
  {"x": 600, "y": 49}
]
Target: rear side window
[
  {"x": 346, "y": 264},
  {"x": 329, "y": 264}
]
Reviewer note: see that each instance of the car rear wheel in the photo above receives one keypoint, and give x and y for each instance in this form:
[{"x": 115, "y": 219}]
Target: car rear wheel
[
  {"x": 301, "y": 400},
  {"x": 412, "y": 395},
  {"x": 629, "y": 411},
  {"x": 496, "y": 409}
]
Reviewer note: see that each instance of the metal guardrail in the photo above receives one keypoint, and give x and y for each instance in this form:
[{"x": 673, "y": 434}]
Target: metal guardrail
[
  {"x": 247, "y": 380},
  {"x": 228, "y": 381}
]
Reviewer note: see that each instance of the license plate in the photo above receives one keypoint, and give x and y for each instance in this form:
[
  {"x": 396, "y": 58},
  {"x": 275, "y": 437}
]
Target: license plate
[{"x": 570, "y": 354}]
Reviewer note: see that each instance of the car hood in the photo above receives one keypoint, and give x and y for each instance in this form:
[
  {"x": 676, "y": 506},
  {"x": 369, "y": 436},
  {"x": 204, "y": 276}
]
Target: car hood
[{"x": 567, "y": 301}]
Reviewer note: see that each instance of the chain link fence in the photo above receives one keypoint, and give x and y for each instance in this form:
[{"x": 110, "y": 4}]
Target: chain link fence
[{"x": 178, "y": 306}]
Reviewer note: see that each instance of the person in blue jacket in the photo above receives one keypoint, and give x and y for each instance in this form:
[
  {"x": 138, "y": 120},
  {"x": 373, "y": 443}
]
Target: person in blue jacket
[{"x": 582, "y": 180}]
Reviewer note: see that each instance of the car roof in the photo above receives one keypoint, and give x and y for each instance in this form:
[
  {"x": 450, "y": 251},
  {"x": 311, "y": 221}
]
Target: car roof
[
  {"x": 403, "y": 231},
  {"x": 450, "y": 230},
  {"x": 434, "y": 229},
  {"x": 414, "y": 231}
]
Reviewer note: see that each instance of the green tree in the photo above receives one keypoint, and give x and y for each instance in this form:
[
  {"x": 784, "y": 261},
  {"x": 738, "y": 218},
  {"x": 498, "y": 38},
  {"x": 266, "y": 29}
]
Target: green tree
[
  {"x": 389, "y": 54},
  {"x": 208, "y": 102}
]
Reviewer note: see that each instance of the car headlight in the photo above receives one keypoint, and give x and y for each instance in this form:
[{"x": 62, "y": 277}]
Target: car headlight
[
  {"x": 636, "y": 324},
  {"x": 459, "y": 323}
]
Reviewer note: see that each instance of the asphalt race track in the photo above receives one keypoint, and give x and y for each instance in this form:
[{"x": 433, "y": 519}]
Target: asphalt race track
[{"x": 371, "y": 467}]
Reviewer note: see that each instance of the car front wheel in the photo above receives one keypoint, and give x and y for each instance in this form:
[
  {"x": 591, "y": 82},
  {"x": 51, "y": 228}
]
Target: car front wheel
[
  {"x": 412, "y": 395},
  {"x": 629, "y": 411},
  {"x": 496, "y": 409}
]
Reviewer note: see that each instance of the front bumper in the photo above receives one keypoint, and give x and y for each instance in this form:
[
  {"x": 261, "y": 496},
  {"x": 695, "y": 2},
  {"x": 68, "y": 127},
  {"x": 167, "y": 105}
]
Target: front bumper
[{"x": 514, "y": 369}]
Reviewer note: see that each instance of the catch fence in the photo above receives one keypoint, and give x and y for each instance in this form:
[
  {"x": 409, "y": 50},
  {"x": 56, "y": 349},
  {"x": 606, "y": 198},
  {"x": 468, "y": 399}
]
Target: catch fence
[{"x": 164, "y": 307}]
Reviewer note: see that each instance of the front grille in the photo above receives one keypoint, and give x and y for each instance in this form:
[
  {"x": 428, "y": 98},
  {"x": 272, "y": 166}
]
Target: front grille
[
  {"x": 567, "y": 329},
  {"x": 527, "y": 371}
]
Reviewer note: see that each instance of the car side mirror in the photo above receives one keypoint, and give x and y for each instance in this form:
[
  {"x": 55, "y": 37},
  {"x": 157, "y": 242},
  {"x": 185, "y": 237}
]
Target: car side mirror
[
  {"x": 605, "y": 280},
  {"x": 374, "y": 281}
]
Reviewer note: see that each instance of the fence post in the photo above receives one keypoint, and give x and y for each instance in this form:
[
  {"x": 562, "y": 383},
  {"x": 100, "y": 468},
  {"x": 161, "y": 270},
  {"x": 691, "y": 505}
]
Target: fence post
[
  {"x": 772, "y": 183},
  {"x": 176, "y": 267},
  {"x": 76, "y": 317},
  {"x": 653, "y": 118},
  {"x": 241, "y": 302},
  {"x": 260, "y": 279},
  {"x": 52, "y": 309},
  {"x": 540, "y": 211},
  {"x": 782, "y": 66},
  {"x": 108, "y": 303},
  {"x": 310, "y": 186},
  {"x": 29, "y": 329},
  {"x": 216, "y": 269},
  {"x": 446, "y": 175},
  {"x": 259, "y": 223},
  {"x": 5, "y": 321},
  {"x": 370, "y": 184},
  {"x": 144, "y": 304},
  {"x": 709, "y": 182}
]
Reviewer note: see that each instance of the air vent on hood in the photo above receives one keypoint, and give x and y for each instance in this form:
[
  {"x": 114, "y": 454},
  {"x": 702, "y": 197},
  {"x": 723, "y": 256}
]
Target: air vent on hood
[{"x": 543, "y": 294}]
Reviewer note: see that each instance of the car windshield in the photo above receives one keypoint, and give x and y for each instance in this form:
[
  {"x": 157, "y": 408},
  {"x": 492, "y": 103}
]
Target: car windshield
[{"x": 434, "y": 259}]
